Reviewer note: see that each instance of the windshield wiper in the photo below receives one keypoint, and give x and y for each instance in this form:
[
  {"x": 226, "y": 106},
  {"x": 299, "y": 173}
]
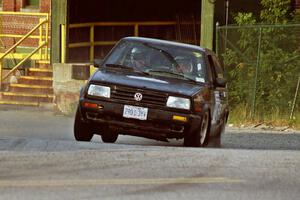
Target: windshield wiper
[
  {"x": 173, "y": 73},
  {"x": 164, "y": 52},
  {"x": 120, "y": 66}
]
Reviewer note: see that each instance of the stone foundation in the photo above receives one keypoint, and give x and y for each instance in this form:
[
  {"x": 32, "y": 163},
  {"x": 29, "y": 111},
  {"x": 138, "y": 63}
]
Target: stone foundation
[{"x": 66, "y": 90}]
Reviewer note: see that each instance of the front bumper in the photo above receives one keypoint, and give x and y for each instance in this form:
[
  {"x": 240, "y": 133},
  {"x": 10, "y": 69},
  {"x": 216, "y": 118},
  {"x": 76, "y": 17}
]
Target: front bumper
[{"x": 159, "y": 124}]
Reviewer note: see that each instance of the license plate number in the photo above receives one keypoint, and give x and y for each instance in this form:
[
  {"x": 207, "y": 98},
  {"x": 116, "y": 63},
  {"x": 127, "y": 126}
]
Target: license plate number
[{"x": 135, "y": 112}]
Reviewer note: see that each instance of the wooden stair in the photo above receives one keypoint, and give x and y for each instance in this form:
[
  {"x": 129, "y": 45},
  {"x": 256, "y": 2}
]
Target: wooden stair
[{"x": 34, "y": 89}]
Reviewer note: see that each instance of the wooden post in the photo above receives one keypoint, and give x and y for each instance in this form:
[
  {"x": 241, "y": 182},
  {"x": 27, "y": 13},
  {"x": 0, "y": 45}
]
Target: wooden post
[
  {"x": 58, "y": 17},
  {"x": 92, "y": 43},
  {"x": 207, "y": 23},
  {"x": 63, "y": 43},
  {"x": 136, "y": 30},
  {"x": 47, "y": 37},
  {"x": 41, "y": 38},
  {"x": 0, "y": 75}
]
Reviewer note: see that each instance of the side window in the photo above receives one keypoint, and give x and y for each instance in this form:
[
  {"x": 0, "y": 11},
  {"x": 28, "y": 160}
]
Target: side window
[
  {"x": 212, "y": 66},
  {"x": 219, "y": 72}
]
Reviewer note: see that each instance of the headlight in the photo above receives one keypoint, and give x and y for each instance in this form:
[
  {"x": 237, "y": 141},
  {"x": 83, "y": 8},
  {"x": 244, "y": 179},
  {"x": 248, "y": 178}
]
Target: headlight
[
  {"x": 178, "y": 102},
  {"x": 99, "y": 91}
]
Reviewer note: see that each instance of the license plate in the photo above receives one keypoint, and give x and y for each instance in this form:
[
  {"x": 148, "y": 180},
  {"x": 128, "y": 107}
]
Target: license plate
[{"x": 135, "y": 112}]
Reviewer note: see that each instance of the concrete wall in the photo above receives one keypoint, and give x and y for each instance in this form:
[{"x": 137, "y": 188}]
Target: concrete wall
[{"x": 66, "y": 89}]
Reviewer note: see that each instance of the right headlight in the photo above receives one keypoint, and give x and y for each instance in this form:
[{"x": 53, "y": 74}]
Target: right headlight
[{"x": 99, "y": 91}]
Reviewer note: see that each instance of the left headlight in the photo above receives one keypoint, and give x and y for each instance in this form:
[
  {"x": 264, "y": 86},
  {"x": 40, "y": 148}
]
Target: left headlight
[
  {"x": 178, "y": 102},
  {"x": 99, "y": 91}
]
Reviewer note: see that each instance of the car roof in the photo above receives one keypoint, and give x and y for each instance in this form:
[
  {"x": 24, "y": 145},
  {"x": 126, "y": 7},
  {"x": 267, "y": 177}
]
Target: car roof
[{"x": 166, "y": 42}]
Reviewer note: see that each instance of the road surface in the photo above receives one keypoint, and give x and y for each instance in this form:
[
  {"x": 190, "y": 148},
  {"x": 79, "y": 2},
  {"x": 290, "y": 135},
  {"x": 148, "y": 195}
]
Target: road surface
[{"x": 39, "y": 159}]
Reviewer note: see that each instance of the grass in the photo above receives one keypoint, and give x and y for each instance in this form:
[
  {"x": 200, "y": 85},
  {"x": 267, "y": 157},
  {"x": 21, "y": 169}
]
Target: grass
[
  {"x": 296, "y": 121},
  {"x": 241, "y": 116}
]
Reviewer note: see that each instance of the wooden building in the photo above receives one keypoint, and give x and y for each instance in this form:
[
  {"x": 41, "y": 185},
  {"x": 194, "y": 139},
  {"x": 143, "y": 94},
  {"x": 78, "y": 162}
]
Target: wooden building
[{"x": 84, "y": 30}]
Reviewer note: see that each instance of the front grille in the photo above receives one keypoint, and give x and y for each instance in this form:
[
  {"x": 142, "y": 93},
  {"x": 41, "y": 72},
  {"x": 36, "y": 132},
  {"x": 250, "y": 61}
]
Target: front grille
[{"x": 150, "y": 97}]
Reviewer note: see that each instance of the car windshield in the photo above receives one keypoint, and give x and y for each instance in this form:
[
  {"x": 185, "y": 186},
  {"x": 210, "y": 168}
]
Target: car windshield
[{"x": 160, "y": 60}]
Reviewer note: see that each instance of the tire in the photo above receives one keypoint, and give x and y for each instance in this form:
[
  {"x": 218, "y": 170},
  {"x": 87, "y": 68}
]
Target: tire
[
  {"x": 188, "y": 140},
  {"x": 109, "y": 136},
  {"x": 200, "y": 137},
  {"x": 82, "y": 131},
  {"x": 216, "y": 142}
]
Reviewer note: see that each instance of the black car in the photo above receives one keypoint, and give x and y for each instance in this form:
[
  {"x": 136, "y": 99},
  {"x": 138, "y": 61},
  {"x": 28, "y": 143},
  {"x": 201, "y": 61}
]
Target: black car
[{"x": 155, "y": 89}]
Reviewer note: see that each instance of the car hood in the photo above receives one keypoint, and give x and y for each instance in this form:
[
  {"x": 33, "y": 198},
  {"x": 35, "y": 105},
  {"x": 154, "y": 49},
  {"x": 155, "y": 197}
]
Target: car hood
[{"x": 137, "y": 80}]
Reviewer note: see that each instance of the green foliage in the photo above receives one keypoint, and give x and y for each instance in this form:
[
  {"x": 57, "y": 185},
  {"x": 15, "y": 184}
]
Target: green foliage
[
  {"x": 277, "y": 58},
  {"x": 296, "y": 18},
  {"x": 275, "y": 11},
  {"x": 245, "y": 18}
]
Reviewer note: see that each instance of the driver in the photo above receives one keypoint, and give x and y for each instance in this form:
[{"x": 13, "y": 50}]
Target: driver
[
  {"x": 138, "y": 58},
  {"x": 185, "y": 64}
]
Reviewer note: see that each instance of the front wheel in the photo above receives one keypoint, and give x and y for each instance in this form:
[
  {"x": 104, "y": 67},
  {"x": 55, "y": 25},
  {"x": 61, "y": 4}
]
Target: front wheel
[
  {"x": 200, "y": 137},
  {"x": 109, "y": 136},
  {"x": 82, "y": 131},
  {"x": 216, "y": 142}
]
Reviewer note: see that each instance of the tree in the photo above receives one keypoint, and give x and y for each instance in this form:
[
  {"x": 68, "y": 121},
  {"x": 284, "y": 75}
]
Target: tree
[{"x": 264, "y": 64}]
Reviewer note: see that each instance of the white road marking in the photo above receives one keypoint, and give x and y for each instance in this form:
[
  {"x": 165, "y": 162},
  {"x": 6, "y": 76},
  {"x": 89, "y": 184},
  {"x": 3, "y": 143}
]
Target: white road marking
[{"x": 95, "y": 182}]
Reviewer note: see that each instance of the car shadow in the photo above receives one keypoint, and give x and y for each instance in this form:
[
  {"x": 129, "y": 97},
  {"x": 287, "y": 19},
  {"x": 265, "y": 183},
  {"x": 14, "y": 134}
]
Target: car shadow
[{"x": 236, "y": 140}]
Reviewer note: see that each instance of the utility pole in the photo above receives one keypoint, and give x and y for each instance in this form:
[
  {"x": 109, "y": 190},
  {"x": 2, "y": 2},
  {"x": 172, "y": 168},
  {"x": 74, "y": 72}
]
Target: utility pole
[
  {"x": 207, "y": 23},
  {"x": 59, "y": 20},
  {"x": 226, "y": 22}
]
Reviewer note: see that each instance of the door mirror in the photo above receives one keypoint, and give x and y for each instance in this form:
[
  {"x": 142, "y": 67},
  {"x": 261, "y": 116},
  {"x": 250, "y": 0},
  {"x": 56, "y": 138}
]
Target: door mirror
[
  {"x": 97, "y": 63},
  {"x": 221, "y": 82}
]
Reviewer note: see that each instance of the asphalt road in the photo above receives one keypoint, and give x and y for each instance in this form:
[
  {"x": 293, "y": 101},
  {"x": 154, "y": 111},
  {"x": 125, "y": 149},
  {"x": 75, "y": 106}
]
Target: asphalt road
[{"x": 39, "y": 159}]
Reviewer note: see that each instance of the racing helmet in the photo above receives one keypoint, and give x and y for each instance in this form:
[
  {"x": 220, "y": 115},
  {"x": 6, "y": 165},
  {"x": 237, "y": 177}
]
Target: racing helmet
[
  {"x": 137, "y": 54},
  {"x": 185, "y": 63}
]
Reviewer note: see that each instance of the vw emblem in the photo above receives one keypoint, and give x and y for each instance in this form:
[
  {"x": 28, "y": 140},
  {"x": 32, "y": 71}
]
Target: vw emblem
[{"x": 138, "y": 96}]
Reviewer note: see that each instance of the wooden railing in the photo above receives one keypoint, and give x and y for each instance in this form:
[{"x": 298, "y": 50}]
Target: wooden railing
[{"x": 92, "y": 43}]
